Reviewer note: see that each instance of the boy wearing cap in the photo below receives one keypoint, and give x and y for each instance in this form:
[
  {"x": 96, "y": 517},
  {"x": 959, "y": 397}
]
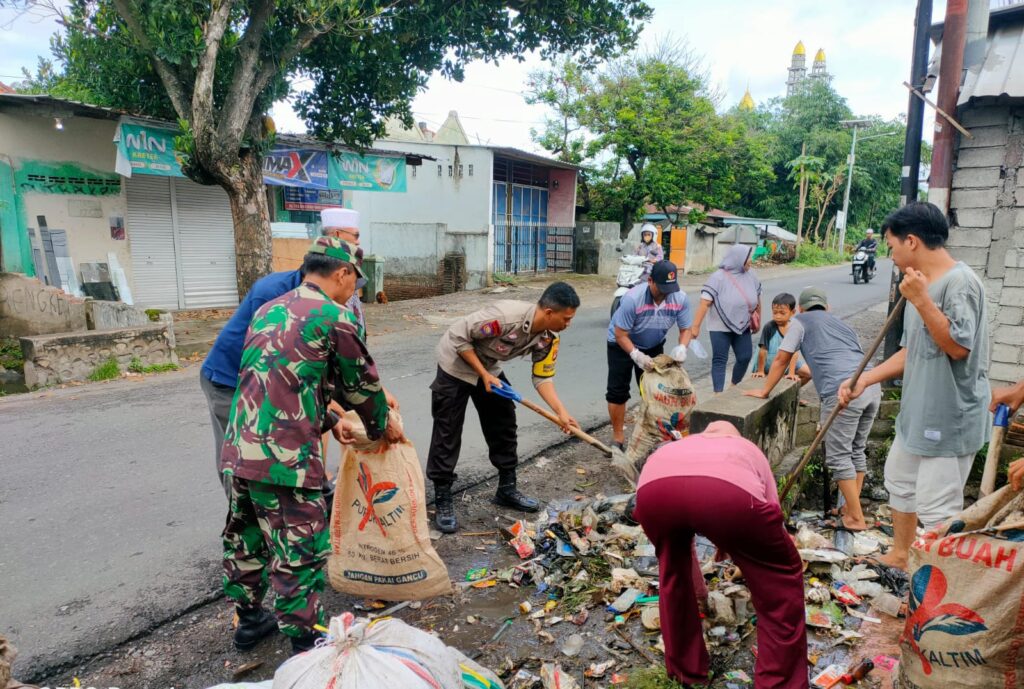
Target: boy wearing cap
[
  {"x": 832, "y": 351},
  {"x": 943, "y": 360},
  {"x": 302, "y": 350},
  {"x": 637, "y": 333}
]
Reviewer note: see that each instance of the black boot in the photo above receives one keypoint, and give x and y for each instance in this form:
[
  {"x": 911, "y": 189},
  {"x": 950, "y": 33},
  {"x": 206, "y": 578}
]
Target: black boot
[
  {"x": 305, "y": 642},
  {"x": 509, "y": 496},
  {"x": 254, "y": 623},
  {"x": 445, "y": 517}
]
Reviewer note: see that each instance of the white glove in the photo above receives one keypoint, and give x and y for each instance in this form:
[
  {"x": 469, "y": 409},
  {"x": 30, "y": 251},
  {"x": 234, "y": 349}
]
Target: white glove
[
  {"x": 679, "y": 353},
  {"x": 642, "y": 360}
]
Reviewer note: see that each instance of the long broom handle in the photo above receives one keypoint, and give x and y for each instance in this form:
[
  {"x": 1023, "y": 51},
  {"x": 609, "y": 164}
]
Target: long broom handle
[
  {"x": 896, "y": 313},
  {"x": 582, "y": 435}
]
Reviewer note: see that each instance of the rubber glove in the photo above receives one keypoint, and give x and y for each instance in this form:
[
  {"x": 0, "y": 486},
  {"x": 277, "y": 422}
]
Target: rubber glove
[
  {"x": 679, "y": 353},
  {"x": 642, "y": 360}
]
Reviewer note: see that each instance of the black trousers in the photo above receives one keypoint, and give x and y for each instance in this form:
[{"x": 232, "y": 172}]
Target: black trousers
[
  {"x": 621, "y": 367},
  {"x": 448, "y": 400}
]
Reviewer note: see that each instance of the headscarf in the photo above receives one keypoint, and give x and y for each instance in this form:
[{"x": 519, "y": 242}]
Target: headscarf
[{"x": 734, "y": 290}]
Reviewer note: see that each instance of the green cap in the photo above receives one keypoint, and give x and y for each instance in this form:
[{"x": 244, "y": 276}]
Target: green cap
[
  {"x": 339, "y": 249},
  {"x": 811, "y": 297}
]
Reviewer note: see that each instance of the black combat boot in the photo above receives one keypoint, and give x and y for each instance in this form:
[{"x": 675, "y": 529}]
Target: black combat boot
[
  {"x": 445, "y": 517},
  {"x": 254, "y": 623},
  {"x": 305, "y": 642},
  {"x": 509, "y": 496}
]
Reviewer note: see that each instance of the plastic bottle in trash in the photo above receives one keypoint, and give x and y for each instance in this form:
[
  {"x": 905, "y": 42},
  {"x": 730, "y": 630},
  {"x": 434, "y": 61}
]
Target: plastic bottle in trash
[{"x": 698, "y": 349}]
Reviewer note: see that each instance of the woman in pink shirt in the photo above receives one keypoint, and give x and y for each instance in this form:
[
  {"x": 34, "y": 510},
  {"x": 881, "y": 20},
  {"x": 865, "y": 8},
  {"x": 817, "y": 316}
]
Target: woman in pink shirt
[{"x": 720, "y": 485}]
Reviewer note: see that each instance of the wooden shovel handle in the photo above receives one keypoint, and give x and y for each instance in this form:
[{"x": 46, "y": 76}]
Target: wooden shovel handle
[{"x": 582, "y": 435}]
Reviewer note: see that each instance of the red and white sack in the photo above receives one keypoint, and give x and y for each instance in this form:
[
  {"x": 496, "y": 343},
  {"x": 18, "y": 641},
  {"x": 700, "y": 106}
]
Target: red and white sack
[
  {"x": 965, "y": 627},
  {"x": 667, "y": 400}
]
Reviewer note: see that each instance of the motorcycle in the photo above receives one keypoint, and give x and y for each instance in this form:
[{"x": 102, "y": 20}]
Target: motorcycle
[
  {"x": 631, "y": 273},
  {"x": 862, "y": 268}
]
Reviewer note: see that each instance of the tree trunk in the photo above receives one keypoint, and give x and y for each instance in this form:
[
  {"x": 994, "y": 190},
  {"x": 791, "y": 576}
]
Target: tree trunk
[{"x": 251, "y": 215}]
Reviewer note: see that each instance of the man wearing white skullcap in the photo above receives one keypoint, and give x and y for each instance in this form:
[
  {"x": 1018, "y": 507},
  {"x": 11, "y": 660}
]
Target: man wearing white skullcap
[{"x": 343, "y": 223}]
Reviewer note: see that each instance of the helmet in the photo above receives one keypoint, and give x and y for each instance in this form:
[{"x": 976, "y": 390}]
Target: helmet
[
  {"x": 870, "y": 232},
  {"x": 647, "y": 228}
]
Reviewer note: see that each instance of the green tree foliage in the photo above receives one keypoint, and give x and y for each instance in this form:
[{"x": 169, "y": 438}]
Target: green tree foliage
[
  {"x": 647, "y": 130},
  {"x": 216, "y": 67}
]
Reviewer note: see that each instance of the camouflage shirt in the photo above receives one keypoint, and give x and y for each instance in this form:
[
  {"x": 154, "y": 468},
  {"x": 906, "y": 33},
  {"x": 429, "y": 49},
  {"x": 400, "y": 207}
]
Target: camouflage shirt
[{"x": 302, "y": 350}]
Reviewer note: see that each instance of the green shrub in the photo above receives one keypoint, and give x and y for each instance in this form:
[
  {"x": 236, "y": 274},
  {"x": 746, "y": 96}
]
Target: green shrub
[
  {"x": 108, "y": 370},
  {"x": 136, "y": 366},
  {"x": 10, "y": 354},
  {"x": 809, "y": 254}
]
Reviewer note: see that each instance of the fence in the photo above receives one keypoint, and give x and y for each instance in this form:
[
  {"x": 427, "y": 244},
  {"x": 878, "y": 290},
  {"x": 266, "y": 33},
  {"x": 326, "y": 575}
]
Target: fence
[{"x": 529, "y": 248}]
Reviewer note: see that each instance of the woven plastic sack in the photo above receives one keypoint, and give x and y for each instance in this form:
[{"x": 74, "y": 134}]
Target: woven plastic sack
[
  {"x": 667, "y": 400},
  {"x": 380, "y": 545},
  {"x": 965, "y": 627}
]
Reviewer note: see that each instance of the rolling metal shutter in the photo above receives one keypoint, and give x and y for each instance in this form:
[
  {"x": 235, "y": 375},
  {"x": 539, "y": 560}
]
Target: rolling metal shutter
[
  {"x": 151, "y": 233},
  {"x": 206, "y": 239},
  {"x": 182, "y": 244}
]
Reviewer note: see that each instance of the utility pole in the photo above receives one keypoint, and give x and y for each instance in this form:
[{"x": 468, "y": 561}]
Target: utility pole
[
  {"x": 803, "y": 196},
  {"x": 841, "y": 231},
  {"x": 911, "y": 151}
]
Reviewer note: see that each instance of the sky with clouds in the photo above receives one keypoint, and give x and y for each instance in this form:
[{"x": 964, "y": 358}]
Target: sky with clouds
[{"x": 744, "y": 42}]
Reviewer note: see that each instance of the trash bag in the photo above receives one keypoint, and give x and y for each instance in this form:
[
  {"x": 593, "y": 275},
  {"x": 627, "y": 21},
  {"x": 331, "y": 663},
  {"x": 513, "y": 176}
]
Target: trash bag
[
  {"x": 380, "y": 545},
  {"x": 381, "y": 654},
  {"x": 668, "y": 399},
  {"x": 963, "y": 629}
]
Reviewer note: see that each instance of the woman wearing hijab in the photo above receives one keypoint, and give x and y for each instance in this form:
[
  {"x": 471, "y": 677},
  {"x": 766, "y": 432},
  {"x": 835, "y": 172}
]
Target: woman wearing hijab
[
  {"x": 734, "y": 292},
  {"x": 720, "y": 485}
]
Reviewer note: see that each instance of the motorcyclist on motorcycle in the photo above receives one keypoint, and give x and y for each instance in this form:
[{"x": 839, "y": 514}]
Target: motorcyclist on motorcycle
[
  {"x": 870, "y": 245},
  {"x": 649, "y": 248}
]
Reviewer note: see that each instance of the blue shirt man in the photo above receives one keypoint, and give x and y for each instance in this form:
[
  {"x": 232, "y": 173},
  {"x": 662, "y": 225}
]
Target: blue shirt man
[
  {"x": 637, "y": 333},
  {"x": 219, "y": 376}
]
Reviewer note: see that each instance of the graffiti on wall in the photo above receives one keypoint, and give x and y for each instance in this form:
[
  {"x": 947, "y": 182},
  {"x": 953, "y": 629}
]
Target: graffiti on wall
[{"x": 43, "y": 177}]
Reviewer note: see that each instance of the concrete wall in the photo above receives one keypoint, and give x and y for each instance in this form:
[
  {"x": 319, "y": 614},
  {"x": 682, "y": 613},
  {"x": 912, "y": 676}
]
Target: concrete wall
[
  {"x": 84, "y": 148},
  {"x": 113, "y": 315},
  {"x": 28, "y": 307},
  {"x": 462, "y": 203},
  {"x": 987, "y": 207},
  {"x": 770, "y": 424},
  {"x": 54, "y": 359},
  {"x": 701, "y": 253}
]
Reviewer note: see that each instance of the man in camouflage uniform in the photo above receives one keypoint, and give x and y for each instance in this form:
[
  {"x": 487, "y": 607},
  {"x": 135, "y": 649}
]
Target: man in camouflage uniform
[
  {"x": 302, "y": 350},
  {"x": 468, "y": 359}
]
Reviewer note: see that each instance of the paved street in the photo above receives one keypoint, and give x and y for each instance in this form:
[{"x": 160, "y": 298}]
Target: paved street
[{"x": 111, "y": 510}]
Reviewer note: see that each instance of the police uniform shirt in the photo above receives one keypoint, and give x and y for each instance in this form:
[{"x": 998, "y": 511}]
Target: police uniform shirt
[{"x": 498, "y": 332}]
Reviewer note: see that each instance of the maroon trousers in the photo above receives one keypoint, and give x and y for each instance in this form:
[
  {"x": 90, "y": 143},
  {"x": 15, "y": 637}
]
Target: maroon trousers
[{"x": 671, "y": 510}]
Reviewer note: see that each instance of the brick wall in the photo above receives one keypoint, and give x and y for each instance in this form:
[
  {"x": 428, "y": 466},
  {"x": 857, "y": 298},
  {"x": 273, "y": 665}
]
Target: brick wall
[
  {"x": 987, "y": 208},
  {"x": 450, "y": 277}
]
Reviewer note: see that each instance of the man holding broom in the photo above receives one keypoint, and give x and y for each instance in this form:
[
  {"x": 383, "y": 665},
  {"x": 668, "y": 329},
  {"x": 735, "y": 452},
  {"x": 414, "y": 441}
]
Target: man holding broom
[{"x": 468, "y": 359}]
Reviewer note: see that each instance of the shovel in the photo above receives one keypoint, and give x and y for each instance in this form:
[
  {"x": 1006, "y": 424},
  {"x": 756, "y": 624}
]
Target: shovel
[
  {"x": 508, "y": 393},
  {"x": 995, "y": 447}
]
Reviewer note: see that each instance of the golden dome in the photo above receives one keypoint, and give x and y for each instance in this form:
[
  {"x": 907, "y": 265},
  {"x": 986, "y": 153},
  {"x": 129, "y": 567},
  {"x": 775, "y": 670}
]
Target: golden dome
[
  {"x": 820, "y": 56},
  {"x": 799, "y": 49},
  {"x": 747, "y": 102}
]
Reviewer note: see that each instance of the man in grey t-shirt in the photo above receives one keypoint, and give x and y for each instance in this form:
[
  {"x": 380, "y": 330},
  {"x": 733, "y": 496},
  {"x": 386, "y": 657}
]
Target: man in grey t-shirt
[
  {"x": 943, "y": 360},
  {"x": 832, "y": 352}
]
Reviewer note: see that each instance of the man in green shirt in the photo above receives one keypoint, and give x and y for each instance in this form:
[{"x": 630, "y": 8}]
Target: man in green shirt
[{"x": 943, "y": 360}]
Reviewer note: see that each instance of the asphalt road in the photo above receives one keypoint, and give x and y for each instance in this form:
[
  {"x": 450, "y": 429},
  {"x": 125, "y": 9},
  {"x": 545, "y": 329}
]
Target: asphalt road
[{"x": 110, "y": 509}]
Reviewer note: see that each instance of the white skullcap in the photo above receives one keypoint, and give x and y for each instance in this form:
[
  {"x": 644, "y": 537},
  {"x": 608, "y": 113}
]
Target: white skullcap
[{"x": 339, "y": 217}]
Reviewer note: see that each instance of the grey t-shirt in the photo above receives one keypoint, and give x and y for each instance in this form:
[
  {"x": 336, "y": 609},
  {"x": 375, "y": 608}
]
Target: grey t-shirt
[
  {"x": 829, "y": 346},
  {"x": 944, "y": 410}
]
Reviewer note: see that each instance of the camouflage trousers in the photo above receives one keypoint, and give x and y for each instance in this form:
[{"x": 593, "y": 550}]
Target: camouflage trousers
[{"x": 277, "y": 536}]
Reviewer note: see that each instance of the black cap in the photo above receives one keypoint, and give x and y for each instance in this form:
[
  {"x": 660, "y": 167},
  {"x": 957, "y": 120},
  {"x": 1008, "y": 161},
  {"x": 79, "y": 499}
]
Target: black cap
[{"x": 664, "y": 275}]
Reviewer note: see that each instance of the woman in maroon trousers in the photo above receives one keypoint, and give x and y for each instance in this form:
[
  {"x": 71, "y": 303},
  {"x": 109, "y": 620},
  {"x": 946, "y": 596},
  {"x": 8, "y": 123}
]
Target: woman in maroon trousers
[{"x": 720, "y": 485}]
